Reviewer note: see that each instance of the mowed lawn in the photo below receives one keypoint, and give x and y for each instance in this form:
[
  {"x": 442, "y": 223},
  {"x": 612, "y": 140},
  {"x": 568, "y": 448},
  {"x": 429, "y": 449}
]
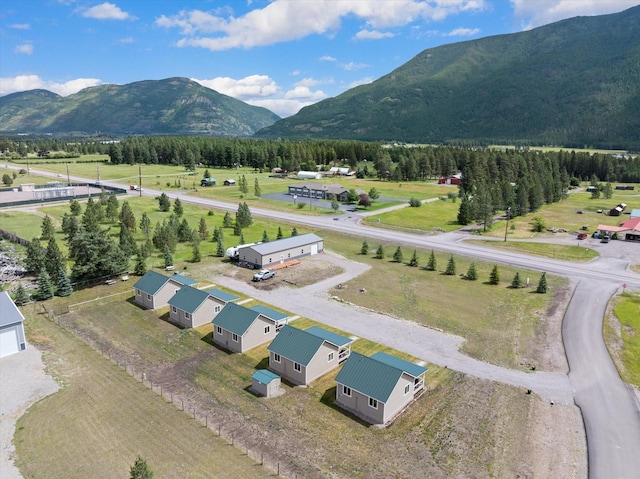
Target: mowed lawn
[
  {"x": 102, "y": 418},
  {"x": 624, "y": 340},
  {"x": 438, "y": 215},
  {"x": 561, "y": 252}
]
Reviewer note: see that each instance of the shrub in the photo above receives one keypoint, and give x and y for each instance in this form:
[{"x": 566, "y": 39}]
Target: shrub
[{"x": 415, "y": 203}]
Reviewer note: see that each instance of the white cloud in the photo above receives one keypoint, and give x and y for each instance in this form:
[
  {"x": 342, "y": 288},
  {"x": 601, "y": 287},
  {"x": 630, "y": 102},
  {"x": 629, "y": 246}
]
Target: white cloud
[
  {"x": 327, "y": 58},
  {"x": 352, "y": 66},
  {"x": 106, "y": 11},
  {"x": 280, "y": 106},
  {"x": 124, "y": 41},
  {"x": 373, "y": 35},
  {"x": 463, "y": 32},
  {"x": 362, "y": 81},
  {"x": 244, "y": 88},
  {"x": 32, "y": 82},
  {"x": 24, "y": 48},
  {"x": 285, "y": 20},
  {"x": 541, "y": 12},
  {"x": 20, "y": 26},
  {"x": 304, "y": 93}
]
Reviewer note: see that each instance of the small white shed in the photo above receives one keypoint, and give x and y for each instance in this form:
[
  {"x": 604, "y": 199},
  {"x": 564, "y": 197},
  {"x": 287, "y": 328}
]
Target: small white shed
[
  {"x": 12, "y": 338},
  {"x": 265, "y": 383}
]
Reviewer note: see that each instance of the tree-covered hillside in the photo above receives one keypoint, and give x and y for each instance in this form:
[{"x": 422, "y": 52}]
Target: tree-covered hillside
[{"x": 571, "y": 83}]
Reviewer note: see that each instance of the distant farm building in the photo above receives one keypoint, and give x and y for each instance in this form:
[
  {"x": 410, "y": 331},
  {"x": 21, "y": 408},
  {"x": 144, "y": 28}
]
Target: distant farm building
[
  {"x": 279, "y": 251},
  {"x": 451, "y": 180},
  {"x": 207, "y": 182},
  {"x": 617, "y": 211},
  {"x": 308, "y": 175},
  {"x": 628, "y": 230}
]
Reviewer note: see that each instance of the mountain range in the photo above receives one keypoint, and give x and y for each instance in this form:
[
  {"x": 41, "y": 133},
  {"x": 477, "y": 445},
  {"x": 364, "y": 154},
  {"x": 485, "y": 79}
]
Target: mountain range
[
  {"x": 176, "y": 106},
  {"x": 573, "y": 83}
]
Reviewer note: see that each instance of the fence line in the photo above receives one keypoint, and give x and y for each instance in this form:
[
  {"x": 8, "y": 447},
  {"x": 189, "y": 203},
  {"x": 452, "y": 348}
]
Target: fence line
[{"x": 248, "y": 446}]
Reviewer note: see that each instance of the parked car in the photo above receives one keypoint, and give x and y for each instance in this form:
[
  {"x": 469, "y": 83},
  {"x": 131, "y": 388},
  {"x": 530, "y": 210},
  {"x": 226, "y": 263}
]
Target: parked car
[
  {"x": 605, "y": 239},
  {"x": 582, "y": 236},
  {"x": 264, "y": 274}
]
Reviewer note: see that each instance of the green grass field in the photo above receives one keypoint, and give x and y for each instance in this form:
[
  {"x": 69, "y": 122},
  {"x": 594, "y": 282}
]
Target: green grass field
[
  {"x": 624, "y": 343},
  {"x": 434, "y": 216},
  {"x": 575, "y": 253}
]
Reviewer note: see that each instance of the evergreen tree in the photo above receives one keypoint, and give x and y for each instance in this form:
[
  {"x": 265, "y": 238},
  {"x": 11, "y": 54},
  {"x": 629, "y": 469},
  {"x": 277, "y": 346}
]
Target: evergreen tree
[
  {"x": 48, "y": 230},
  {"x": 608, "y": 191},
  {"x": 472, "y": 274},
  {"x": 227, "y": 222},
  {"x": 45, "y": 288},
  {"x": 112, "y": 208},
  {"x": 146, "y": 249},
  {"x": 265, "y": 237},
  {"x": 127, "y": 242},
  {"x": 279, "y": 235},
  {"x": 365, "y": 248},
  {"x": 207, "y": 174},
  {"x": 184, "y": 232},
  {"x": 397, "y": 256},
  {"x": 164, "y": 203},
  {"x": 216, "y": 234},
  {"x": 373, "y": 193},
  {"x": 256, "y": 189},
  {"x": 22, "y": 297},
  {"x": 36, "y": 255},
  {"x": 516, "y": 282},
  {"x": 237, "y": 230},
  {"x": 70, "y": 226},
  {"x": 127, "y": 217},
  {"x": 242, "y": 241},
  {"x": 494, "y": 277},
  {"x": 294, "y": 231},
  {"x": 451, "y": 267},
  {"x": 243, "y": 216},
  {"x": 178, "y": 210},
  {"x": 54, "y": 260},
  {"x": 542, "y": 284},
  {"x": 92, "y": 216},
  {"x": 414, "y": 259},
  {"x": 141, "y": 265},
  {"x": 243, "y": 185},
  {"x": 168, "y": 258},
  {"x": 432, "y": 263},
  {"x": 203, "y": 231},
  {"x": 75, "y": 207},
  {"x": 145, "y": 225},
  {"x": 464, "y": 212},
  {"x": 220, "y": 248},
  {"x": 196, "y": 257},
  {"x": 379, "y": 252},
  {"x": 96, "y": 255},
  {"x": 140, "y": 470},
  {"x": 63, "y": 287},
  {"x": 335, "y": 206}
]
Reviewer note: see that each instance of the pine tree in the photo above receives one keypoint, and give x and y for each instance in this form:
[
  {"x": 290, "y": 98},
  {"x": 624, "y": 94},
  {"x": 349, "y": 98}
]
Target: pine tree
[
  {"x": 140, "y": 470},
  {"x": 91, "y": 217},
  {"x": 112, "y": 208},
  {"x": 256, "y": 189},
  {"x": 432, "y": 263},
  {"x": 413, "y": 262},
  {"x": 63, "y": 287},
  {"x": 227, "y": 222},
  {"x": 185, "y": 233},
  {"x": 54, "y": 260},
  {"x": 127, "y": 217},
  {"x": 202, "y": 228},
  {"x": 464, "y": 212},
  {"x": 48, "y": 230},
  {"x": 265, "y": 237},
  {"x": 279, "y": 235},
  {"x": 196, "y": 257},
  {"x": 294, "y": 231},
  {"x": 22, "y": 297},
  {"x": 75, "y": 207},
  {"x": 472, "y": 274},
  {"x": 70, "y": 226},
  {"x": 243, "y": 216},
  {"x": 516, "y": 282},
  {"x": 451, "y": 267},
  {"x": 45, "y": 288},
  {"x": 164, "y": 203},
  {"x": 243, "y": 185},
  {"x": 494, "y": 277},
  {"x": 365, "y": 248},
  {"x": 178, "y": 210},
  {"x": 141, "y": 265},
  {"x": 127, "y": 242},
  {"x": 145, "y": 225},
  {"x": 220, "y": 248},
  {"x": 237, "y": 230},
  {"x": 542, "y": 284},
  {"x": 216, "y": 234},
  {"x": 397, "y": 256},
  {"x": 242, "y": 241},
  {"x": 168, "y": 259},
  {"x": 36, "y": 255},
  {"x": 379, "y": 252}
]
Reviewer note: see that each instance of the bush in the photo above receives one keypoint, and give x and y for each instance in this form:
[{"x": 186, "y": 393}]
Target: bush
[{"x": 415, "y": 203}]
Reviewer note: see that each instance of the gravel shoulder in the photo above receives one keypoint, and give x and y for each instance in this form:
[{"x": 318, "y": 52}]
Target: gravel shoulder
[{"x": 24, "y": 382}]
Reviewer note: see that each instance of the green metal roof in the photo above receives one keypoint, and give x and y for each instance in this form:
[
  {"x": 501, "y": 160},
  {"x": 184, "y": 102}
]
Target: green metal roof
[
  {"x": 408, "y": 367},
  {"x": 235, "y": 318},
  {"x": 222, "y": 295},
  {"x": 373, "y": 377},
  {"x": 269, "y": 313},
  {"x": 188, "y": 299},
  {"x": 264, "y": 376},
  {"x": 333, "y": 338},
  {"x": 296, "y": 345},
  {"x": 152, "y": 281}
]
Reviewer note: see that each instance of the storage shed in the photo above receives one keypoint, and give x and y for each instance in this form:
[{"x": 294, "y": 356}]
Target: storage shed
[
  {"x": 274, "y": 252},
  {"x": 267, "y": 384}
]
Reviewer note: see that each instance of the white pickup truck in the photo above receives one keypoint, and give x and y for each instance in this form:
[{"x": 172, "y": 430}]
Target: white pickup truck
[{"x": 264, "y": 274}]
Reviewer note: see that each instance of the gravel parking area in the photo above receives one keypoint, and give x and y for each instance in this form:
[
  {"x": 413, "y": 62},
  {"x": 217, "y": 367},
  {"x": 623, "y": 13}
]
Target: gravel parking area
[{"x": 24, "y": 382}]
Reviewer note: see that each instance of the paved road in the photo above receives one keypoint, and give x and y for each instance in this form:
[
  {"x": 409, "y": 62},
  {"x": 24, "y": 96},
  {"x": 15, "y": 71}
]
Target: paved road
[{"x": 611, "y": 413}]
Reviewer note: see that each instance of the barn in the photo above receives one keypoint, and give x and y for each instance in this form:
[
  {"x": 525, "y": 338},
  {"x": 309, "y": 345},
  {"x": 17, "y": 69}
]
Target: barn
[
  {"x": 12, "y": 338},
  {"x": 263, "y": 255}
]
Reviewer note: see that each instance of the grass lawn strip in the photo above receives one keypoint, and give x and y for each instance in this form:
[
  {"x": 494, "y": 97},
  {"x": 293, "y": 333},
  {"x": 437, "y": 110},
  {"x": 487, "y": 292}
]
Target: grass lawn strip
[
  {"x": 576, "y": 254},
  {"x": 622, "y": 332}
]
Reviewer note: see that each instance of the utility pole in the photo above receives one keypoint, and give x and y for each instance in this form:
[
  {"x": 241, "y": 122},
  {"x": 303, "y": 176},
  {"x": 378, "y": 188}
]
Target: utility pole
[
  {"x": 68, "y": 180},
  {"x": 140, "y": 179},
  {"x": 507, "y": 225}
]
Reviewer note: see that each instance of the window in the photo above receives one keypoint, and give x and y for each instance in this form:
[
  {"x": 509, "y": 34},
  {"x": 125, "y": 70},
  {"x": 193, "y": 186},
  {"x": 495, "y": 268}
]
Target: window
[
  {"x": 346, "y": 391},
  {"x": 269, "y": 260},
  {"x": 406, "y": 390},
  {"x": 330, "y": 357},
  {"x": 234, "y": 336},
  {"x": 373, "y": 403},
  {"x": 148, "y": 296},
  {"x": 174, "y": 309},
  {"x": 276, "y": 357},
  {"x": 267, "y": 329},
  {"x": 218, "y": 330},
  {"x": 187, "y": 315},
  {"x": 217, "y": 309},
  {"x": 302, "y": 251},
  {"x": 138, "y": 292},
  {"x": 288, "y": 255},
  {"x": 297, "y": 367}
]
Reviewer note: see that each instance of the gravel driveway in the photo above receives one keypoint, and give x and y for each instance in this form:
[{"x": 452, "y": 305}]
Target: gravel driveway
[{"x": 24, "y": 382}]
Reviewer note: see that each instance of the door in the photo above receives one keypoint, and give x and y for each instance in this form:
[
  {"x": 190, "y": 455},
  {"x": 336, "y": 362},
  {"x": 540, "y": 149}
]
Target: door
[
  {"x": 9, "y": 342},
  {"x": 314, "y": 248}
]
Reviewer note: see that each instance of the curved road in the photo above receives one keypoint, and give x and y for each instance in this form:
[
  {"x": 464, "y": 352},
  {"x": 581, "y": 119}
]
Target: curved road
[{"x": 609, "y": 407}]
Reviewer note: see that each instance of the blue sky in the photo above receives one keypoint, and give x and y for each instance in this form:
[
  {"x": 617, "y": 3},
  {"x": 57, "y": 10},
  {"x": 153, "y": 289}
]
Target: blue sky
[{"x": 279, "y": 54}]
